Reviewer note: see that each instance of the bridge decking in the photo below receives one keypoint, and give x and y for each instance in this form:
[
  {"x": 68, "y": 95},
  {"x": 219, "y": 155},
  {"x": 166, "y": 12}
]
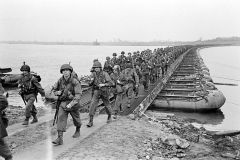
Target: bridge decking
[{"x": 146, "y": 98}]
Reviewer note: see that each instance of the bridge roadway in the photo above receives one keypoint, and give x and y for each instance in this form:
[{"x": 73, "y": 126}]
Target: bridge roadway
[{"x": 141, "y": 104}]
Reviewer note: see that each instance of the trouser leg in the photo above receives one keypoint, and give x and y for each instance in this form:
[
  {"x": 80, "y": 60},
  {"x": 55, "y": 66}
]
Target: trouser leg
[
  {"x": 30, "y": 109},
  {"x": 118, "y": 103},
  {"x": 105, "y": 99},
  {"x": 76, "y": 117},
  {"x": 62, "y": 120},
  {"x": 94, "y": 103},
  {"x": 129, "y": 94},
  {"x": 5, "y": 152}
]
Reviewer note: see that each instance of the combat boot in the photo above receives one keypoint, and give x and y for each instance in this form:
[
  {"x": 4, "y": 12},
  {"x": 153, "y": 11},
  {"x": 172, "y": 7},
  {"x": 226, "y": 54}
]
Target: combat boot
[
  {"x": 35, "y": 119},
  {"x": 115, "y": 115},
  {"x": 90, "y": 123},
  {"x": 26, "y": 121},
  {"x": 77, "y": 132},
  {"x": 109, "y": 119},
  {"x": 59, "y": 140}
]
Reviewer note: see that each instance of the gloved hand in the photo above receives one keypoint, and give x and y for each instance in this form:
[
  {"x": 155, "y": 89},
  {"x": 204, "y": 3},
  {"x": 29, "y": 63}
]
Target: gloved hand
[
  {"x": 69, "y": 106},
  {"x": 58, "y": 93}
]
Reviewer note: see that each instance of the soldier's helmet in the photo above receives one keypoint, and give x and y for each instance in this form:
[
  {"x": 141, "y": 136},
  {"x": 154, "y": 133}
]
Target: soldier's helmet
[
  {"x": 122, "y": 52},
  {"x": 25, "y": 67},
  {"x": 66, "y": 66},
  {"x": 108, "y": 58},
  {"x": 114, "y": 54},
  {"x": 95, "y": 60},
  {"x": 129, "y": 53},
  {"x": 97, "y": 64}
]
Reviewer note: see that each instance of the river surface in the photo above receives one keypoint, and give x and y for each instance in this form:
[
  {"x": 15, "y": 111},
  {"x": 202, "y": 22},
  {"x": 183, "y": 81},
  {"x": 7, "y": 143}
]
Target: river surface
[
  {"x": 46, "y": 60},
  {"x": 224, "y": 66}
]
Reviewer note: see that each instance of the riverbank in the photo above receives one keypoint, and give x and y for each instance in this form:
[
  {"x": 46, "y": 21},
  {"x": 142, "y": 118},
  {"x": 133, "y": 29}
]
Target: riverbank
[{"x": 157, "y": 138}]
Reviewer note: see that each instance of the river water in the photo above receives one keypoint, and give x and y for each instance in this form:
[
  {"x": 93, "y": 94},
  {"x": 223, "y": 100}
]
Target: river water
[
  {"x": 224, "y": 66},
  {"x": 46, "y": 60}
]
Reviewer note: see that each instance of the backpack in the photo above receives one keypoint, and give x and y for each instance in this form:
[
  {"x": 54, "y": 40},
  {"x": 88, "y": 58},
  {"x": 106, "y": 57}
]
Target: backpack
[{"x": 38, "y": 77}]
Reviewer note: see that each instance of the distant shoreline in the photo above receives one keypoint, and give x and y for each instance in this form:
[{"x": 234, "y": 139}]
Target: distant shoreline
[{"x": 221, "y": 43}]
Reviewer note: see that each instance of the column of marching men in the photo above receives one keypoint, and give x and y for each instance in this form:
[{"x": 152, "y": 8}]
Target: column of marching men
[{"x": 122, "y": 76}]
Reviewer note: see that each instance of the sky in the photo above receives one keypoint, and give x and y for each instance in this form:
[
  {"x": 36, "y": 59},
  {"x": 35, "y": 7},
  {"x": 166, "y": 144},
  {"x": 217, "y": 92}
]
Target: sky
[{"x": 106, "y": 20}]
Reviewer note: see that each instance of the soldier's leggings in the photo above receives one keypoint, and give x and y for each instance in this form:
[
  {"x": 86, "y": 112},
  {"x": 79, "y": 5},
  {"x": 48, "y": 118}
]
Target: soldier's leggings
[
  {"x": 129, "y": 91},
  {"x": 4, "y": 149},
  {"x": 30, "y": 108},
  {"x": 118, "y": 103},
  {"x": 97, "y": 94},
  {"x": 146, "y": 79},
  {"x": 63, "y": 116}
]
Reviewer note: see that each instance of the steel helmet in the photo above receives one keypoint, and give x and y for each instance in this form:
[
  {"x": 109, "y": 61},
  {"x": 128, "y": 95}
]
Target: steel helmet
[
  {"x": 122, "y": 52},
  {"x": 108, "y": 58},
  {"x": 25, "y": 67},
  {"x": 114, "y": 54},
  {"x": 97, "y": 64},
  {"x": 66, "y": 66}
]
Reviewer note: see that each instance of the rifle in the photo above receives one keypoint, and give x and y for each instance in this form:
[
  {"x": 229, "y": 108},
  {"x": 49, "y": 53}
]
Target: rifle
[
  {"x": 56, "y": 113},
  {"x": 57, "y": 109},
  {"x": 21, "y": 93}
]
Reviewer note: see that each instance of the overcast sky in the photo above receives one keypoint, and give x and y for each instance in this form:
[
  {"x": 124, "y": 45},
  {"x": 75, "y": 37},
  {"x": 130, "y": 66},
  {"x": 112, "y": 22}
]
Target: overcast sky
[{"x": 133, "y": 20}]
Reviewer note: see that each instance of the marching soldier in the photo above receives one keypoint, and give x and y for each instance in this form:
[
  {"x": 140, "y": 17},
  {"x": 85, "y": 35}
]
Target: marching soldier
[
  {"x": 117, "y": 78},
  {"x": 100, "y": 82},
  {"x": 122, "y": 60},
  {"x": 30, "y": 87},
  {"x": 68, "y": 89},
  {"x": 114, "y": 60},
  {"x": 108, "y": 67},
  {"x": 145, "y": 75},
  {"x": 130, "y": 79},
  {"x": 139, "y": 73}
]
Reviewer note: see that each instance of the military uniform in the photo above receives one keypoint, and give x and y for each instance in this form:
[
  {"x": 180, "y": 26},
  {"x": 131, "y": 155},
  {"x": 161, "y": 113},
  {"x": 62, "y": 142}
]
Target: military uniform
[
  {"x": 117, "y": 78},
  {"x": 29, "y": 88},
  {"x": 69, "y": 102},
  {"x": 5, "y": 152},
  {"x": 130, "y": 80},
  {"x": 100, "y": 92},
  {"x": 145, "y": 75}
]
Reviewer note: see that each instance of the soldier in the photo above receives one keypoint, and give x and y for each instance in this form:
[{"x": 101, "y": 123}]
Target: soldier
[
  {"x": 100, "y": 82},
  {"x": 129, "y": 58},
  {"x": 145, "y": 75},
  {"x": 5, "y": 152},
  {"x": 30, "y": 87},
  {"x": 108, "y": 66},
  {"x": 122, "y": 60},
  {"x": 139, "y": 73},
  {"x": 130, "y": 79},
  {"x": 114, "y": 60},
  {"x": 68, "y": 89},
  {"x": 117, "y": 78}
]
